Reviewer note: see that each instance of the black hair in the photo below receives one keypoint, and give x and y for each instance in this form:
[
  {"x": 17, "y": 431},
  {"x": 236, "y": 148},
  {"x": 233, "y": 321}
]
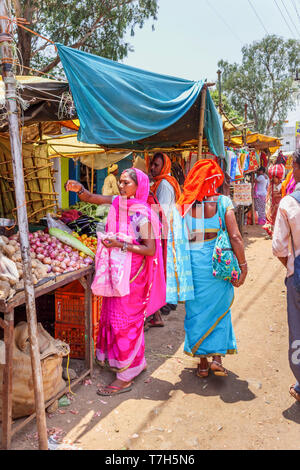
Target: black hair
[
  {"x": 296, "y": 156},
  {"x": 132, "y": 174},
  {"x": 261, "y": 168},
  {"x": 159, "y": 155}
]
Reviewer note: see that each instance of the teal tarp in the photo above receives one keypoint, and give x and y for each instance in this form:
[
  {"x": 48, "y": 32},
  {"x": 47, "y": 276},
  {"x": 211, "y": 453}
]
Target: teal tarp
[{"x": 117, "y": 104}]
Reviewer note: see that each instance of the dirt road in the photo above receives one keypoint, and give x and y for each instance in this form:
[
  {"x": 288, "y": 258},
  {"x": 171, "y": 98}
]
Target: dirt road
[{"x": 170, "y": 408}]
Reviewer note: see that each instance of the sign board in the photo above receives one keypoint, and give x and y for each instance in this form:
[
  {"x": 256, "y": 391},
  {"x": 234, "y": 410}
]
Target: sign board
[{"x": 242, "y": 194}]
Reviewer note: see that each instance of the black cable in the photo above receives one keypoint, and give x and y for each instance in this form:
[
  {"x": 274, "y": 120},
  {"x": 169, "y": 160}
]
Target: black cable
[{"x": 258, "y": 17}]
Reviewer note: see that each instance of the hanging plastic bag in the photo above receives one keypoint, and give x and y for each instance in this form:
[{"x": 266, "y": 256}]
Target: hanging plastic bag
[{"x": 53, "y": 223}]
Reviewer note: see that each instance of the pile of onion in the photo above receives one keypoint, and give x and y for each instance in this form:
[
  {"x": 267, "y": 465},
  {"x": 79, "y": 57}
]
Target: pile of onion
[{"x": 59, "y": 257}]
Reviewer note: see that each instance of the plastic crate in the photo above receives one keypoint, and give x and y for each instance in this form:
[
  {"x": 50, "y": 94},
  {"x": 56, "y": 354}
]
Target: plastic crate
[
  {"x": 70, "y": 317},
  {"x": 70, "y": 308},
  {"x": 75, "y": 337}
]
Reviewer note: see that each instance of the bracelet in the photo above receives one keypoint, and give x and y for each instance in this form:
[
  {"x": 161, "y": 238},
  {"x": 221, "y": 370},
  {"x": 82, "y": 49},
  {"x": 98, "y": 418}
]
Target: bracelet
[
  {"x": 124, "y": 247},
  {"x": 244, "y": 264},
  {"x": 81, "y": 190}
]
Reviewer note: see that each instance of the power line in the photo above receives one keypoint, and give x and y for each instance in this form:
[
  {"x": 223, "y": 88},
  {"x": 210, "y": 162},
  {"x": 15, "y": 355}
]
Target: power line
[
  {"x": 295, "y": 6},
  {"x": 258, "y": 17},
  {"x": 290, "y": 17},
  {"x": 227, "y": 25},
  {"x": 284, "y": 17}
]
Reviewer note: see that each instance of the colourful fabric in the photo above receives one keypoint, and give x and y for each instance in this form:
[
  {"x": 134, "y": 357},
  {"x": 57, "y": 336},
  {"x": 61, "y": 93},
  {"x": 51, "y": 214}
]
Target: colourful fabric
[
  {"x": 273, "y": 197},
  {"x": 224, "y": 262},
  {"x": 202, "y": 180},
  {"x": 208, "y": 324},
  {"x": 260, "y": 207},
  {"x": 179, "y": 272},
  {"x": 288, "y": 185},
  {"x": 165, "y": 174},
  {"x": 120, "y": 343}
]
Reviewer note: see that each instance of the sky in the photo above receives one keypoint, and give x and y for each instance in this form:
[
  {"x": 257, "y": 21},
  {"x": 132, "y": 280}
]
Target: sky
[{"x": 191, "y": 36}]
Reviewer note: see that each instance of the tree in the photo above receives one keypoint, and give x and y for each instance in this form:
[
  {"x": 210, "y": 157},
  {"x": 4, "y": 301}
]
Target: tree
[
  {"x": 95, "y": 26},
  {"x": 264, "y": 80},
  {"x": 228, "y": 109}
]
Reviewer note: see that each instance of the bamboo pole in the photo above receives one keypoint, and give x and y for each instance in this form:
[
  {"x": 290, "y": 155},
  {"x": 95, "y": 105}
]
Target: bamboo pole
[
  {"x": 16, "y": 151},
  {"x": 201, "y": 121}
]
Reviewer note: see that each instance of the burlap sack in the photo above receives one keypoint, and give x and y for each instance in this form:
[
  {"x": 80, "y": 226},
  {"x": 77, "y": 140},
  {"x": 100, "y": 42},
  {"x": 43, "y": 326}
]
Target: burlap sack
[{"x": 51, "y": 351}]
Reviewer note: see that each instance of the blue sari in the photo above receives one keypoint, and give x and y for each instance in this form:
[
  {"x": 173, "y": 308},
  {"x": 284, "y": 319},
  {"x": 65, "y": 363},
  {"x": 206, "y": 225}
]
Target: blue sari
[
  {"x": 179, "y": 272},
  {"x": 208, "y": 324}
]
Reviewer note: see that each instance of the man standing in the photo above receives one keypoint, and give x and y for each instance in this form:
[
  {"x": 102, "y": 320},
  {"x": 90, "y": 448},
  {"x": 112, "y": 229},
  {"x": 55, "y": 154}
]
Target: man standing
[
  {"x": 287, "y": 233},
  {"x": 110, "y": 185}
]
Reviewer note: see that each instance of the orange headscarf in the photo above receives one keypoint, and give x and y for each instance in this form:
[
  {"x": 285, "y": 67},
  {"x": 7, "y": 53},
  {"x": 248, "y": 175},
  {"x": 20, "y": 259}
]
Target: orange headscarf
[
  {"x": 165, "y": 174},
  {"x": 202, "y": 180}
]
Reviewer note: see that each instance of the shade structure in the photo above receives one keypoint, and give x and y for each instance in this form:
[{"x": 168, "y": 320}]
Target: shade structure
[
  {"x": 42, "y": 100},
  {"x": 90, "y": 155},
  {"x": 125, "y": 107}
]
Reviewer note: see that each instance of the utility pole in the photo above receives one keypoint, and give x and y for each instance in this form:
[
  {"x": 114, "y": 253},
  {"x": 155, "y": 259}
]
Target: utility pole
[{"x": 9, "y": 81}]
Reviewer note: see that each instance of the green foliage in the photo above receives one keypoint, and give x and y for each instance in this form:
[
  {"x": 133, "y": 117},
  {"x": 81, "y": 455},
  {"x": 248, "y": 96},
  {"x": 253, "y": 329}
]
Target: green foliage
[
  {"x": 264, "y": 81},
  {"x": 94, "y": 26},
  {"x": 228, "y": 109}
]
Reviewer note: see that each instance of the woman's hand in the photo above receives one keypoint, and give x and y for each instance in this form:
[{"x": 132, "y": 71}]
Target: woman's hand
[
  {"x": 111, "y": 243},
  {"x": 72, "y": 185},
  {"x": 241, "y": 279}
]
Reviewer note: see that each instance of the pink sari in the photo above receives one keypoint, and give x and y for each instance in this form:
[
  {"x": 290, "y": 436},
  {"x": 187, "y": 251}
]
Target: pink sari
[{"x": 120, "y": 342}]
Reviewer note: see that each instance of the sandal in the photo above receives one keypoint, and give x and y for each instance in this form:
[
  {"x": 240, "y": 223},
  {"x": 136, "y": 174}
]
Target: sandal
[
  {"x": 108, "y": 393},
  {"x": 221, "y": 373},
  {"x": 202, "y": 372},
  {"x": 152, "y": 322},
  {"x": 293, "y": 393}
]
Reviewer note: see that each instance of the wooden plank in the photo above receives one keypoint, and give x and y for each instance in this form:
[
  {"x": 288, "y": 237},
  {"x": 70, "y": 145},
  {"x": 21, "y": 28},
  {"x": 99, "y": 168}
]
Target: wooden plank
[
  {"x": 50, "y": 286},
  {"x": 89, "y": 349},
  {"x": 7, "y": 381}
]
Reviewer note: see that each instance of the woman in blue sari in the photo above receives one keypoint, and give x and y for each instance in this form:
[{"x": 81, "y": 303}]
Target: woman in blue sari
[{"x": 208, "y": 325}]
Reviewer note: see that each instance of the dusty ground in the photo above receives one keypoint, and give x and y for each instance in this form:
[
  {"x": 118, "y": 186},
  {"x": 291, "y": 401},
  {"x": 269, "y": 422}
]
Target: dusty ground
[{"x": 170, "y": 408}]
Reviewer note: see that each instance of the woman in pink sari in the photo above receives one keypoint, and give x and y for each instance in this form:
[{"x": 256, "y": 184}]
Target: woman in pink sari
[{"x": 120, "y": 343}]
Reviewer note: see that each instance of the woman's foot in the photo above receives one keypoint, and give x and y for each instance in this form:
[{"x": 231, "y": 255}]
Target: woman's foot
[
  {"x": 155, "y": 320},
  {"x": 293, "y": 393},
  {"x": 116, "y": 387},
  {"x": 217, "y": 368},
  {"x": 203, "y": 368}
]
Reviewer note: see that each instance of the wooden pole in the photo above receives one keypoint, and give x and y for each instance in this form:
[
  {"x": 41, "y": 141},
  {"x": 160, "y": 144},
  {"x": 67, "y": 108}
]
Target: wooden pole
[
  {"x": 201, "y": 121},
  {"x": 16, "y": 151}
]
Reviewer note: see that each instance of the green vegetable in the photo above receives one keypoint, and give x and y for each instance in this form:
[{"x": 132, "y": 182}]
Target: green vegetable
[{"x": 71, "y": 241}]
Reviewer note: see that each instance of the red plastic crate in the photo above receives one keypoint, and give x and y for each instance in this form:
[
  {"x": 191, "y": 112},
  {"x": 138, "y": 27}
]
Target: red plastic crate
[
  {"x": 70, "y": 317},
  {"x": 75, "y": 337},
  {"x": 69, "y": 305}
]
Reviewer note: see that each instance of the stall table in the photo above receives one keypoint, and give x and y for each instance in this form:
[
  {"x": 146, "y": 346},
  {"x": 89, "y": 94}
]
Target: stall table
[{"x": 84, "y": 276}]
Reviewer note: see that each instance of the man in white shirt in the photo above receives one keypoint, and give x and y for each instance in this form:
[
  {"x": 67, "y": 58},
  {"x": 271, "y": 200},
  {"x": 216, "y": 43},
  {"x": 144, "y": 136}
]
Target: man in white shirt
[{"x": 286, "y": 234}]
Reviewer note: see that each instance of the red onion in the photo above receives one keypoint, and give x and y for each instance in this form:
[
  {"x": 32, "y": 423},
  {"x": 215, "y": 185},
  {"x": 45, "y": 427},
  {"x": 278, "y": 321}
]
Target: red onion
[
  {"x": 47, "y": 260},
  {"x": 49, "y": 269},
  {"x": 39, "y": 249},
  {"x": 40, "y": 257}
]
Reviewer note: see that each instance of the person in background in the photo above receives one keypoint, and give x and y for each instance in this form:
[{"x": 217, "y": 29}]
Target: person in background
[
  {"x": 110, "y": 185},
  {"x": 260, "y": 194},
  {"x": 208, "y": 326},
  {"x": 289, "y": 184},
  {"x": 120, "y": 342},
  {"x": 286, "y": 234},
  {"x": 167, "y": 191},
  {"x": 155, "y": 320},
  {"x": 276, "y": 174}
]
